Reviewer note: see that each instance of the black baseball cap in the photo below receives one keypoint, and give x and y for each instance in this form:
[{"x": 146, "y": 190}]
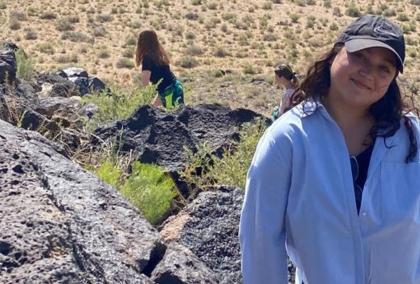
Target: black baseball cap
[{"x": 374, "y": 31}]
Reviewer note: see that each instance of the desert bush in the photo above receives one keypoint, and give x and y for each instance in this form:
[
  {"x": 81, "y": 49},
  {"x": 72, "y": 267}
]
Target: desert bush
[
  {"x": 208, "y": 170},
  {"x": 191, "y": 16},
  {"x": 30, "y": 34},
  {"x": 220, "y": 52},
  {"x": 48, "y": 15},
  {"x": 67, "y": 58},
  {"x": 76, "y": 37},
  {"x": 64, "y": 25},
  {"x": 46, "y": 48},
  {"x": 294, "y": 18},
  {"x": 310, "y": 22},
  {"x": 127, "y": 53},
  {"x": 352, "y": 10},
  {"x": 20, "y": 16},
  {"x": 14, "y": 24},
  {"x": 120, "y": 104},
  {"x": 130, "y": 41},
  {"x": 389, "y": 12},
  {"x": 187, "y": 62},
  {"x": 124, "y": 63},
  {"x": 150, "y": 190},
  {"x": 403, "y": 17},
  {"x": 103, "y": 18},
  {"x": 99, "y": 31},
  {"x": 249, "y": 69},
  {"x": 25, "y": 65},
  {"x": 104, "y": 54},
  {"x": 196, "y": 2},
  {"x": 267, "y": 5},
  {"x": 189, "y": 35},
  {"x": 194, "y": 50},
  {"x": 3, "y": 5},
  {"x": 212, "y": 6}
]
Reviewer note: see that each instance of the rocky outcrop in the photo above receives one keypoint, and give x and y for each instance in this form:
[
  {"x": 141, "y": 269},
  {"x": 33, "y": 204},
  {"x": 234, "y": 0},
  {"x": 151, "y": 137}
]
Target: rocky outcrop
[
  {"x": 85, "y": 82},
  {"x": 61, "y": 224},
  {"x": 8, "y": 65},
  {"x": 161, "y": 137},
  {"x": 209, "y": 227}
]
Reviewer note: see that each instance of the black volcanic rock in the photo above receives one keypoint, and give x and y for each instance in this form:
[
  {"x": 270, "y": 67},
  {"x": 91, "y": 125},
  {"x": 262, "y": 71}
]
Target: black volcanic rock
[{"x": 162, "y": 137}]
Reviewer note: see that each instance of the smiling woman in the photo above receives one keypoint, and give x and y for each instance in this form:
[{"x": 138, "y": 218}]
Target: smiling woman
[{"x": 336, "y": 179}]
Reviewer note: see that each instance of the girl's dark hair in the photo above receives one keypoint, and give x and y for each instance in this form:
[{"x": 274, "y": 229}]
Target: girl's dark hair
[
  {"x": 148, "y": 44},
  {"x": 284, "y": 70},
  {"x": 387, "y": 112}
]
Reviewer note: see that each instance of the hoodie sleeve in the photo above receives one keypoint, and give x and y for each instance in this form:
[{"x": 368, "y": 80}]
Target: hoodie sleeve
[{"x": 262, "y": 225}]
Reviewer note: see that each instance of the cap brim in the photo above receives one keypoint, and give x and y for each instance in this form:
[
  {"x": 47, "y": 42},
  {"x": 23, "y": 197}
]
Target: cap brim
[{"x": 363, "y": 43}]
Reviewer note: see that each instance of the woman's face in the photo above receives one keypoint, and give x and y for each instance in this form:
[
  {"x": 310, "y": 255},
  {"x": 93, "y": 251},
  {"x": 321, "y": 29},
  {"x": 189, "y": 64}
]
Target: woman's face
[
  {"x": 361, "y": 78},
  {"x": 280, "y": 81}
]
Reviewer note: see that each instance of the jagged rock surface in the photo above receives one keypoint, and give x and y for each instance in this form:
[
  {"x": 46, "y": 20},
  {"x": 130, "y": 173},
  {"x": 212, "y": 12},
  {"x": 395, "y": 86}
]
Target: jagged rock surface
[
  {"x": 161, "y": 137},
  {"x": 209, "y": 227},
  {"x": 60, "y": 224}
]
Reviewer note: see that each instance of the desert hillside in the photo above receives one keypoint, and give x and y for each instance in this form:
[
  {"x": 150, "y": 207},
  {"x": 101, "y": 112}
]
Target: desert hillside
[{"x": 205, "y": 38}]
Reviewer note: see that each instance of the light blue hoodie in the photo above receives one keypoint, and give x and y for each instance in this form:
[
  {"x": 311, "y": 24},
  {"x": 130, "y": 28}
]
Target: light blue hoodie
[{"x": 300, "y": 201}]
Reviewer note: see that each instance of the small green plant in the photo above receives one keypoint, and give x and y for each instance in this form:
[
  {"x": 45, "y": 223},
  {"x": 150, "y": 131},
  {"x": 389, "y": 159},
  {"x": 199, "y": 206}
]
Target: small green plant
[
  {"x": 109, "y": 172},
  {"x": 120, "y": 104},
  {"x": 207, "y": 170},
  {"x": 25, "y": 65},
  {"x": 150, "y": 190}
]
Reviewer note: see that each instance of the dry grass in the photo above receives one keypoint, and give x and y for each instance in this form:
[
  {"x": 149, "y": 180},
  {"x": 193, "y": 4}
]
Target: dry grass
[{"x": 202, "y": 36}]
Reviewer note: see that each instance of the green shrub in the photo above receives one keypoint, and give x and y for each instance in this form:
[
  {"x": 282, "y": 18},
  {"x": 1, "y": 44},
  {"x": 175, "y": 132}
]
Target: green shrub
[
  {"x": 120, "y": 104},
  {"x": 109, "y": 172},
  {"x": 25, "y": 65},
  {"x": 232, "y": 168},
  {"x": 150, "y": 190}
]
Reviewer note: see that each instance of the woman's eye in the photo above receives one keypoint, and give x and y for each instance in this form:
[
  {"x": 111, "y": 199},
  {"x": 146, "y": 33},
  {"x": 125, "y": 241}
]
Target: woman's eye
[{"x": 385, "y": 69}]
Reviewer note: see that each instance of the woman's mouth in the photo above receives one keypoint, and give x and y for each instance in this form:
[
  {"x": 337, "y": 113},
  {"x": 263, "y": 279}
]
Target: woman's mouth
[{"x": 361, "y": 85}]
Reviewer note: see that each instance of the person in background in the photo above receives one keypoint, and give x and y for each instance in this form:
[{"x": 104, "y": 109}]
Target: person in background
[
  {"x": 335, "y": 181},
  {"x": 155, "y": 68},
  {"x": 284, "y": 78}
]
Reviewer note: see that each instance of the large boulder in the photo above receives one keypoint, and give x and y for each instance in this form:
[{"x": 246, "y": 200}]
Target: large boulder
[
  {"x": 209, "y": 227},
  {"x": 60, "y": 224}
]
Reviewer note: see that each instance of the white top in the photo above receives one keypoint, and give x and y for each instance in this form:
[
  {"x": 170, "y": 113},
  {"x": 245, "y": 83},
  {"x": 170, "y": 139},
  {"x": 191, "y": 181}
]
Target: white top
[
  {"x": 299, "y": 192},
  {"x": 286, "y": 100}
]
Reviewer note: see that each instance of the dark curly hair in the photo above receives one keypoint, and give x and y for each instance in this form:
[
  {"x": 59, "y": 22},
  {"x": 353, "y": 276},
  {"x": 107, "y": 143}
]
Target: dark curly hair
[{"x": 387, "y": 112}]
